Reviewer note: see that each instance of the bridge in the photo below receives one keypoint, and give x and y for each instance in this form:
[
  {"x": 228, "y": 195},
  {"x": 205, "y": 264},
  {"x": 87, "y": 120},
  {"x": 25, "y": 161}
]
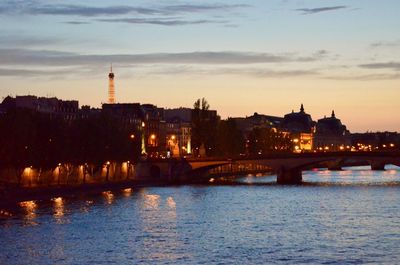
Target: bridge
[{"x": 288, "y": 167}]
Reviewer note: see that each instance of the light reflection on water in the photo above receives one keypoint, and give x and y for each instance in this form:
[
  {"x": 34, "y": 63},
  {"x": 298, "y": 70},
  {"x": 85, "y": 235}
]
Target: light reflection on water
[
  {"x": 108, "y": 196},
  {"x": 59, "y": 210},
  {"x": 30, "y": 208},
  {"x": 348, "y": 216},
  {"x": 354, "y": 176}
]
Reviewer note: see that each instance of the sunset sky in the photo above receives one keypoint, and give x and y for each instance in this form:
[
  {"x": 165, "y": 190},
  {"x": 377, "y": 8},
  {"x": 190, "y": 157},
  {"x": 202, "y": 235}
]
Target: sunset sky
[{"x": 242, "y": 56}]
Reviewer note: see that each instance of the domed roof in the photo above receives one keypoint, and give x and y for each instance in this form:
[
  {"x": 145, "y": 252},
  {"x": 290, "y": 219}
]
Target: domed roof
[
  {"x": 330, "y": 125},
  {"x": 298, "y": 121}
]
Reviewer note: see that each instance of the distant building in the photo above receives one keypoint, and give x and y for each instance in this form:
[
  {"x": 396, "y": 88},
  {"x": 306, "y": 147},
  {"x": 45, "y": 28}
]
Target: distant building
[
  {"x": 375, "y": 141},
  {"x": 155, "y": 129},
  {"x": 87, "y": 112},
  {"x": 300, "y": 127},
  {"x": 179, "y": 128},
  {"x": 146, "y": 119},
  {"x": 257, "y": 121},
  {"x": 129, "y": 114},
  {"x": 331, "y": 135},
  {"x": 56, "y": 108},
  {"x": 7, "y": 104},
  {"x": 247, "y": 124},
  {"x": 184, "y": 114},
  {"x": 178, "y": 136}
]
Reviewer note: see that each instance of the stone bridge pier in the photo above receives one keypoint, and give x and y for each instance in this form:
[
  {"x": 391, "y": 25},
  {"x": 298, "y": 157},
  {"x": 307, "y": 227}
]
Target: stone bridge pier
[
  {"x": 335, "y": 165},
  {"x": 377, "y": 165},
  {"x": 286, "y": 175}
]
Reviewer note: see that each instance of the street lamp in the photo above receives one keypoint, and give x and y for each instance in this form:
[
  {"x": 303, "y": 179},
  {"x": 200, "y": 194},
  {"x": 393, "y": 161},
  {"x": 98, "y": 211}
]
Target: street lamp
[
  {"x": 108, "y": 169},
  {"x": 59, "y": 173},
  {"x": 143, "y": 145}
]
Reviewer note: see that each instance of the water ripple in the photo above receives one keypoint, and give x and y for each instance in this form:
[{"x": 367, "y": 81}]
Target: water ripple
[{"x": 346, "y": 217}]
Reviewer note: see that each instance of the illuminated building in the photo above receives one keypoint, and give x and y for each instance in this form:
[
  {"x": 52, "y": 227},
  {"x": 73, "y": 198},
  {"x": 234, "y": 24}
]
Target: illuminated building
[
  {"x": 179, "y": 127},
  {"x": 111, "y": 88},
  {"x": 301, "y": 128},
  {"x": 178, "y": 136}
]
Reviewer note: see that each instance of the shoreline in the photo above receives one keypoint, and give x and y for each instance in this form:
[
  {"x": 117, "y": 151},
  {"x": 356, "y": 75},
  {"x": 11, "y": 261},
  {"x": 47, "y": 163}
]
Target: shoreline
[{"x": 16, "y": 195}]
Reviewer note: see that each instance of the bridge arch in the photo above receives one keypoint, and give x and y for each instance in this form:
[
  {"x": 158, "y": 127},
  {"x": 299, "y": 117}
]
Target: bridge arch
[{"x": 288, "y": 167}]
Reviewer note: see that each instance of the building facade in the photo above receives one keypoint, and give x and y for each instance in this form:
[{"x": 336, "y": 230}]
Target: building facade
[
  {"x": 331, "y": 135},
  {"x": 301, "y": 128}
]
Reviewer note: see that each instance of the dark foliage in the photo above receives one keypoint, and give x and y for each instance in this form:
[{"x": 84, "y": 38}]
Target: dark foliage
[
  {"x": 37, "y": 139},
  {"x": 265, "y": 140}
]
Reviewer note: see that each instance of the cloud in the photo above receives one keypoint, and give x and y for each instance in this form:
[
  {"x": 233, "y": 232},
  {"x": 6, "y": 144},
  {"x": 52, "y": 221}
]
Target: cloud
[
  {"x": 76, "y": 22},
  {"x": 155, "y": 14},
  {"x": 21, "y": 40},
  {"x": 364, "y": 77},
  {"x": 59, "y": 58},
  {"x": 282, "y": 74},
  {"x": 310, "y": 11},
  {"x": 36, "y": 8},
  {"x": 26, "y": 62},
  {"x": 248, "y": 71},
  {"x": 30, "y": 73},
  {"x": 385, "y": 44},
  {"x": 388, "y": 65},
  {"x": 161, "y": 21},
  {"x": 87, "y": 11},
  {"x": 263, "y": 73},
  {"x": 202, "y": 8}
]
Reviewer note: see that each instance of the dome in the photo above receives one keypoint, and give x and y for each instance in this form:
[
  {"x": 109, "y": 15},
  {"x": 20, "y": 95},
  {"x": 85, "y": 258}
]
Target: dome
[
  {"x": 298, "y": 121},
  {"x": 331, "y": 126}
]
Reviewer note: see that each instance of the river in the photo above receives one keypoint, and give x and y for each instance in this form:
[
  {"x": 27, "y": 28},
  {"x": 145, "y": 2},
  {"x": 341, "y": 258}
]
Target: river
[{"x": 336, "y": 217}]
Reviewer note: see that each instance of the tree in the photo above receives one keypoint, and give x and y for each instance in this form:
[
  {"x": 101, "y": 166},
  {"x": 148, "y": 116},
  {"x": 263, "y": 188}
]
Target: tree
[
  {"x": 230, "y": 140},
  {"x": 267, "y": 140},
  {"x": 204, "y": 126}
]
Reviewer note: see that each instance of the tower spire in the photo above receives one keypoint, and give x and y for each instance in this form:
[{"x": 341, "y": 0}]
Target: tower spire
[
  {"x": 111, "y": 88},
  {"x": 301, "y": 108},
  {"x": 333, "y": 114}
]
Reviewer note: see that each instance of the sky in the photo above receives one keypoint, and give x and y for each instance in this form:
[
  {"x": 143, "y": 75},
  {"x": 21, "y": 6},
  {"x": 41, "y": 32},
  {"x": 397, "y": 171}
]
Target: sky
[{"x": 242, "y": 56}]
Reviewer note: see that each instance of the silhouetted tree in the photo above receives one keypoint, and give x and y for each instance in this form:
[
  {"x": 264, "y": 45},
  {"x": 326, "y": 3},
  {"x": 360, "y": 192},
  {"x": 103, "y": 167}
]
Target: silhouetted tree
[
  {"x": 266, "y": 140},
  {"x": 230, "y": 140},
  {"x": 204, "y": 126}
]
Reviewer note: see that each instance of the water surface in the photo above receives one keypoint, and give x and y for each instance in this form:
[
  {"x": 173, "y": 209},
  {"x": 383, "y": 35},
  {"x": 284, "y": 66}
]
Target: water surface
[{"x": 349, "y": 216}]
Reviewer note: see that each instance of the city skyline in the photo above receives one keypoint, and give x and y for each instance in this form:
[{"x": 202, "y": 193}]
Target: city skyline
[{"x": 244, "y": 57}]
